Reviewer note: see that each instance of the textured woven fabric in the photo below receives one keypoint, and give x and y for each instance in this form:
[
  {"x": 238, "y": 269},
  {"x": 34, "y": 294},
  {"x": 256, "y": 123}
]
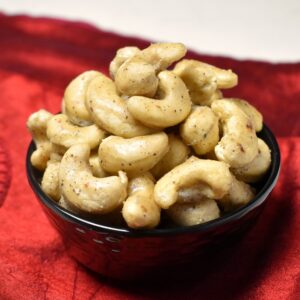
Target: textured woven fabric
[{"x": 38, "y": 57}]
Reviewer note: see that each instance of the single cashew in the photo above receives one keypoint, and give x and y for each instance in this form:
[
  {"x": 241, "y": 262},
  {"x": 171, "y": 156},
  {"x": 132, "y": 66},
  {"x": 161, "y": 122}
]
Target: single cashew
[
  {"x": 258, "y": 167},
  {"x": 188, "y": 214},
  {"x": 255, "y": 116},
  {"x": 238, "y": 145},
  {"x": 137, "y": 75},
  {"x": 177, "y": 154},
  {"x": 122, "y": 55},
  {"x": 96, "y": 167},
  {"x": 84, "y": 191},
  {"x": 62, "y": 132},
  {"x": 240, "y": 194},
  {"x": 200, "y": 130},
  {"x": 37, "y": 125},
  {"x": 211, "y": 177},
  {"x": 140, "y": 210},
  {"x": 50, "y": 180},
  {"x": 203, "y": 80},
  {"x": 135, "y": 155},
  {"x": 171, "y": 110},
  {"x": 109, "y": 110},
  {"x": 74, "y": 99}
]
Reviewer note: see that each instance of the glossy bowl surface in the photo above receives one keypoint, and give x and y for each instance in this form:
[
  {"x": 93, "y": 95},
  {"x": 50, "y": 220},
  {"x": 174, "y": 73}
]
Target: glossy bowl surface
[{"x": 123, "y": 253}]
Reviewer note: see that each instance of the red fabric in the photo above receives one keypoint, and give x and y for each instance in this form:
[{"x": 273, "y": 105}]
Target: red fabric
[{"x": 38, "y": 57}]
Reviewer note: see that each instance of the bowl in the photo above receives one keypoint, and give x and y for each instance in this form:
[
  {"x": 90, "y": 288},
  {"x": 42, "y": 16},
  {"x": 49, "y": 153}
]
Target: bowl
[{"x": 123, "y": 253}]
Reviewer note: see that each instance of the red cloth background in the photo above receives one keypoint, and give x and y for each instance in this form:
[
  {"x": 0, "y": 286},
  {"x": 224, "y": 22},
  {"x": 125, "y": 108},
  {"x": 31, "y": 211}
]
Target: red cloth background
[{"x": 38, "y": 57}]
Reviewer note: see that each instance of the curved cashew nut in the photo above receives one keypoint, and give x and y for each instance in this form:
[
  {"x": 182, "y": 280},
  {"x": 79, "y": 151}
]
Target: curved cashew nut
[
  {"x": 122, "y": 55},
  {"x": 96, "y": 167},
  {"x": 211, "y": 177},
  {"x": 238, "y": 145},
  {"x": 37, "y": 125},
  {"x": 50, "y": 180},
  {"x": 240, "y": 194},
  {"x": 188, "y": 214},
  {"x": 137, "y": 75},
  {"x": 109, "y": 110},
  {"x": 203, "y": 80},
  {"x": 258, "y": 167},
  {"x": 84, "y": 191},
  {"x": 140, "y": 210},
  {"x": 62, "y": 132},
  {"x": 200, "y": 130},
  {"x": 171, "y": 110},
  {"x": 177, "y": 154},
  {"x": 74, "y": 99},
  {"x": 255, "y": 116},
  {"x": 135, "y": 155}
]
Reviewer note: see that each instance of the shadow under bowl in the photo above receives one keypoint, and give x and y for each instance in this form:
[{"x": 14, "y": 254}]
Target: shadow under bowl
[{"x": 125, "y": 254}]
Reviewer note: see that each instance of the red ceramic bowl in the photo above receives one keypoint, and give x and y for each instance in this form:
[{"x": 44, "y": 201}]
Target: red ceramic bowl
[{"x": 123, "y": 253}]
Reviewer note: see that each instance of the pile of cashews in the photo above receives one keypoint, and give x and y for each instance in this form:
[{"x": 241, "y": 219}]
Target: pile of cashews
[{"x": 108, "y": 154}]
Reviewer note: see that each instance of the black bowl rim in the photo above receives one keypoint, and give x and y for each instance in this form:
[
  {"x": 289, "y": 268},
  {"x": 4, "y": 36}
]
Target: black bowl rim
[{"x": 230, "y": 217}]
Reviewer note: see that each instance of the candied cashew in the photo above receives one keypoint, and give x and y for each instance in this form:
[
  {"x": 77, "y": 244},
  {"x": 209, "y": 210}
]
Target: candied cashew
[
  {"x": 213, "y": 178},
  {"x": 204, "y": 80},
  {"x": 109, "y": 111},
  {"x": 95, "y": 164},
  {"x": 200, "y": 130},
  {"x": 169, "y": 111},
  {"x": 62, "y": 132},
  {"x": 135, "y": 155},
  {"x": 139, "y": 209},
  {"x": 50, "y": 180},
  {"x": 85, "y": 192},
  {"x": 239, "y": 145}
]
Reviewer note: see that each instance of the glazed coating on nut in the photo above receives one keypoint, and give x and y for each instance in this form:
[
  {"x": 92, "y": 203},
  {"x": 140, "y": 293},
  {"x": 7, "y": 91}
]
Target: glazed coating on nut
[
  {"x": 122, "y": 55},
  {"x": 139, "y": 209},
  {"x": 96, "y": 167},
  {"x": 74, "y": 99},
  {"x": 84, "y": 191},
  {"x": 50, "y": 180},
  {"x": 188, "y": 214},
  {"x": 173, "y": 108},
  {"x": 238, "y": 145},
  {"x": 203, "y": 80},
  {"x": 109, "y": 111},
  {"x": 258, "y": 167},
  {"x": 37, "y": 125},
  {"x": 135, "y": 155},
  {"x": 137, "y": 75},
  {"x": 213, "y": 178},
  {"x": 62, "y": 132},
  {"x": 177, "y": 154},
  {"x": 200, "y": 130}
]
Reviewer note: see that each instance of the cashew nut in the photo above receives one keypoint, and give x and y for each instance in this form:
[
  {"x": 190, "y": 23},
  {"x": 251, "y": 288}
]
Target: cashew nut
[
  {"x": 203, "y": 80},
  {"x": 74, "y": 99},
  {"x": 240, "y": 193},
  {"x": 50, "y": 180},
  {"x": 84, "y": 191},
  {"x": 200, "y": 130},
  {"x": 188, "y": 214},
  {"x": 135, "y": 155},
  {"x": 122, "y": 55},
  {"x": 137, "y": 75},
  {"x": 62, "y": 132},
  {"x": 213, "y": 178},
  {"x": 177, "y": 154},
  {"x": 255, "y": 116},
  {"x": 96, "y": 167},
  {"x": 238, "y": 145},
  {"x": 171, "y": 110},
  {"x": 109, "y": 110},
  {"x": 258, "y": 167},
  {"x": 37, "y": 125},
  {"x": 140, "y": 210}
]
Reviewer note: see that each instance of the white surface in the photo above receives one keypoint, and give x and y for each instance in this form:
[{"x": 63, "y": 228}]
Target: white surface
[{"x": 255, "y": 29}]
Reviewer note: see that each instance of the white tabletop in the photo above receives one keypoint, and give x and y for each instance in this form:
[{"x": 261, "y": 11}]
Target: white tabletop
[{"x": 257, "y": 29}]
